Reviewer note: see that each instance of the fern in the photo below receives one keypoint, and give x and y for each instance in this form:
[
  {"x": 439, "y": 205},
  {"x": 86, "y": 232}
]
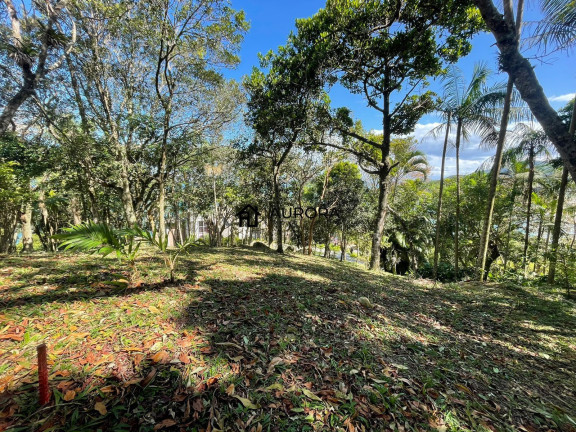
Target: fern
[
  {"x": 96, "y": 238},
  {"x": 125, "y": 243},
  {"x": 100, "y": 238}
]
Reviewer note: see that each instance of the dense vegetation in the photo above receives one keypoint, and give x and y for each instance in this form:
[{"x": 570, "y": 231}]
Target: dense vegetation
[
  {"x": 106, "y": 139},
  {"x": 121, "y": 135}
]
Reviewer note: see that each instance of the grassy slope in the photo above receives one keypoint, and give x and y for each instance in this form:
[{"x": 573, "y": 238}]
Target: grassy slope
[{"x": 254, "y": 341}]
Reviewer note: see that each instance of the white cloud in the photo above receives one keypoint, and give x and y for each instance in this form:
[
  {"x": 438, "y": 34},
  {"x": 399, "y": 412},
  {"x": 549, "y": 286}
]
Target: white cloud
[
  {"x": 562, "y": 98},
  {"x": 472, "y": 155},
  {"x": 466, "y": 166}
]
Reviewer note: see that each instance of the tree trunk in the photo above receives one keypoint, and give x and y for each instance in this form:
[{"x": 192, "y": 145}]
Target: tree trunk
[
  {"x": 510, "y": 215},
  {"x": 558, "y": 223},
  {"x": 538, "y": 239},
  {"x": 270, "y": 224},
  {"x": 310, "y": 235},
  {"x": 546, "y": 245},
  {"x": 343, "y": 246},
  {"x": 559, "y": 208},
  {"x": 47, "y": 227},
  {"x": 528, "y": 211},
  {"x": 76, "y": 214},
  {"x": 162, "y": 186},
  {"x": 495, "y": 173},
  {"x": 457, "y": 228},
  {"x": 313, "y": 221},
  {"x": 12, "y": 106},
  {"x": 86, "y": 162},
  {"x": 383, "y": 172},
  {"x": 525, "y": 80},
  {"x": 26, "y": 220},
  {"x": 327, "y": 246},
  {"x": 302, "y": 239},
  {"x": 122, "y": 159},
  {"x": 30, "y": 79},
  {"x": 151, "y": 219},
  {"x": 179, "y": 224},
  {"x": 161, "y": 209},
  {"x": 280, "y": 248},
  {"x": 439, "y": 208},
  {"x": 381, "y": 218},
  {"x": 8, "y": 222}
]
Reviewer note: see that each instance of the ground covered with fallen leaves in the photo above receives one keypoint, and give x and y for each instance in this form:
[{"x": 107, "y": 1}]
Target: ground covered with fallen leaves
[{"x": 247, "y": 340}]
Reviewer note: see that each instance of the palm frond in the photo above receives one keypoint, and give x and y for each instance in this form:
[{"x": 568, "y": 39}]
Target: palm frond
[
  {"x": 93, "y": 238},
  {"x": 557, "y": 31}
]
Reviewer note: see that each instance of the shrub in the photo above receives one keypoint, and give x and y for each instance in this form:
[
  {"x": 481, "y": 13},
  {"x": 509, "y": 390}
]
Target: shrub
[{"x": 125, "y": 243}]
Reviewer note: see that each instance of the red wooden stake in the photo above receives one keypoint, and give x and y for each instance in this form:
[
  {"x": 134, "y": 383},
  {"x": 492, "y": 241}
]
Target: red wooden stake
[{"x": 43, "y": 389}]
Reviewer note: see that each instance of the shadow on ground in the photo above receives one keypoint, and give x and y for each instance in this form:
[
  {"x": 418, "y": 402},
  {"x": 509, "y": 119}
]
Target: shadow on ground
[{"x": 281, "y": 343}]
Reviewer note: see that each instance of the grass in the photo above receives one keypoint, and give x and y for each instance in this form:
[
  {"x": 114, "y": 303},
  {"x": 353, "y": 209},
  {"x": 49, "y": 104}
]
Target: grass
[{"x": 254, "y": 341}]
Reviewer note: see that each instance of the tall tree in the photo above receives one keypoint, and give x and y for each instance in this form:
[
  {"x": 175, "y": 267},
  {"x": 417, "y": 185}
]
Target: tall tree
[
  {"x": 408, "y": 162},
  {"x": 531, "y": 143},
  {"x": 283, "y": 105},
  {"x": 570, "y": 110},
  {"x": 557, "y": 31},
  {"x": 380, "y": 49},
  {"x": 447, "y": 114},
  {"x": 148, "y": 88},
  {"x": 194, "y": 39},
  {"x": 519, "y": 68},
  {"x": 343, "y": 194},
  {"x": 495, "y": 172},
  {"x": 471, "y": 107},
  {"x": 34, "y": 39}
]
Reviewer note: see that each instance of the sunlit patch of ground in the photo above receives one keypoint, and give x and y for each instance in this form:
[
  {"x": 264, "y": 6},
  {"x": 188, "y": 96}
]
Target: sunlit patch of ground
[{"x": 249, "y": 340}]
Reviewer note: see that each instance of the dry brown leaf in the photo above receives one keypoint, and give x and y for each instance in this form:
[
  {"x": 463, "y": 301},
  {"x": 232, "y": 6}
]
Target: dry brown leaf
[
  {"x": 69, "y": 395},
  {"x": 211, "y": 381},
  {"x": 160, "y": 357},
  {"x": 273, "y": 363},
  {"x": 101, "y": 408},
  {"x": 183, "y": 357},
  {"x": 165, "y": 423},
  {"x": 198, "y": 405},
  {"x": 149, "y": 377}
]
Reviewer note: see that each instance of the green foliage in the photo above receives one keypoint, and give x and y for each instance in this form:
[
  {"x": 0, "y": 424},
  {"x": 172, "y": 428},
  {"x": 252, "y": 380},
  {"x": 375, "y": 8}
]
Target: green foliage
[
  {"x": 376, "y": 48},
  {"x": 100, "y": 238},
  {"x": 124, "y": 243},
  {"x": 557, "y": 31},
  {"x": 13, "y": 194},
  {"x": 566, "y": 266},
  {"x": 170, "y": 255}
]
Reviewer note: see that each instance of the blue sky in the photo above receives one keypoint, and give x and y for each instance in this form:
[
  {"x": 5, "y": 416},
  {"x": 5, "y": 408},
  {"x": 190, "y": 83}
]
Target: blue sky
[{"x": 272, "y": 20}]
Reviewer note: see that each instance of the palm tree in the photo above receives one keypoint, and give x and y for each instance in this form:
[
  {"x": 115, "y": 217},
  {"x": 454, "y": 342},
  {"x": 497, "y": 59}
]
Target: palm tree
[
  {"x": 560, "y": 203},
  {"x": 514, "y": 172},
  {"x": 448, "y": 117},
  {"x": 470, "y": 107},
  {"x": 495, "y": 172},
  {"x": 530, "y": 143},
  {"x": 407, "y": 161},
  {"x": 557, "y": 31}
]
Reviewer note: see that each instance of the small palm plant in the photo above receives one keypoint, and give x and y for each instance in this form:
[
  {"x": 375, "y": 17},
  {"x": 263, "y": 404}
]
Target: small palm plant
[
  {"x": 100, "y": 238},
  {"x": 170, "y": 255},
  {"x": 125, "y": 243}
]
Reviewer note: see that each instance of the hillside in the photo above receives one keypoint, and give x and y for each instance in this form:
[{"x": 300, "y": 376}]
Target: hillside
[{"x": 249, "y": 340}]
